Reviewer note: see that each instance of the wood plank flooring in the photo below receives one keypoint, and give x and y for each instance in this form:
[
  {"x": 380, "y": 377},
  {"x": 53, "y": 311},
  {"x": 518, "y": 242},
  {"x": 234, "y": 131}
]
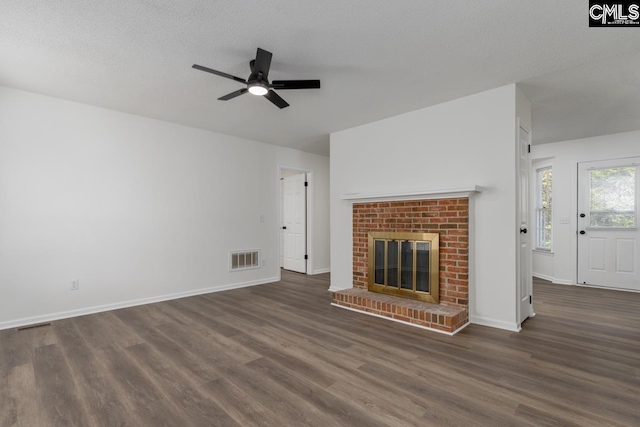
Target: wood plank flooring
[{"x": 280, "y": 355}]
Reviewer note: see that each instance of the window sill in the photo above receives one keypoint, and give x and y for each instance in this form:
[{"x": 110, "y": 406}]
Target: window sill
[{"x": 543, "y": 252}]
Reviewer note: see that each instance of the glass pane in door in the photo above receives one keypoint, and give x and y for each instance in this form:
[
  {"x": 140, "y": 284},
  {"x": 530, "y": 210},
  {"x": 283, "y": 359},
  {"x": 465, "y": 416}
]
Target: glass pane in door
[{"x": 612, "y": 197}]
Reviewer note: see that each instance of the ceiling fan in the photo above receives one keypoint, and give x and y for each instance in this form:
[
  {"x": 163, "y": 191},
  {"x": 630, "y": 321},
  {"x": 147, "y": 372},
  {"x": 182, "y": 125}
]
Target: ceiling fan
[{"x": 258, "y": 82}]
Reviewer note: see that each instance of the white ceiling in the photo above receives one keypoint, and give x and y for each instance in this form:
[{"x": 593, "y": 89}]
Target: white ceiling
[
  {"x": 598, "y": 98},
  {"x": 376, "y": 58}
]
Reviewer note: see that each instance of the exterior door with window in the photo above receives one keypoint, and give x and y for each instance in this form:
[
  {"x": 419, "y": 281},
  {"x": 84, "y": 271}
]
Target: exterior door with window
[
  {"x": 295, "y": 223},
  {"x": 608, "y": 234}
]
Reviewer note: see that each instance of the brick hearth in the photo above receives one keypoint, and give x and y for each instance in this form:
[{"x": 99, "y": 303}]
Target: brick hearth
[
  {"x": 436, "y": 316},
  {"x": 450, "y": 218}
]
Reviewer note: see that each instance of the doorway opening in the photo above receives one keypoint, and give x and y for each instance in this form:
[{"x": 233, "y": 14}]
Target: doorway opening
[{"x": 295, "y": 195}]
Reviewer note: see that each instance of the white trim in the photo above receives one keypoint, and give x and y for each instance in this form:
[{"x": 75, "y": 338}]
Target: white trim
[
  {"x": 547, "y": 165},
  {"x": 338, "y": 289},
  {"x": 402, "y": 321},
  {"x": 520, "y": 127},
  {"x": 310, "y": 215},
  {"x": 442, "y": 193},
  {"x": 608, "y": 288},
  {"x": 543, "y": 277},
  {"x": 553, "y": 279},
  {"x": 310, "y": 220},
  {"x": 493, "y": 323},
  {"x": 543, "y": 252},
  {"x": 322, "y": 270},
  {"x": 131, "y": 303}
]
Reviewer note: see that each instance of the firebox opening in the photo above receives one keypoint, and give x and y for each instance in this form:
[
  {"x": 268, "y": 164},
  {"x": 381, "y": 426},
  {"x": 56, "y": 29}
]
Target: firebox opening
[{"x": 405, "y": 265}]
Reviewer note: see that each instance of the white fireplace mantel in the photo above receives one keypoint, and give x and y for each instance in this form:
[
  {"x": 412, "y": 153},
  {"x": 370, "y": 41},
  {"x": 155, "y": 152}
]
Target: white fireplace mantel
[{"x": 440, "y": 193}]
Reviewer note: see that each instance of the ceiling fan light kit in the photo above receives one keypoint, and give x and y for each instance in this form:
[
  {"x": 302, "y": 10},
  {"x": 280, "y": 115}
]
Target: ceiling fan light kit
[
  {"x": 258, "y": 83},
  {"x": 256, "y": 88}
]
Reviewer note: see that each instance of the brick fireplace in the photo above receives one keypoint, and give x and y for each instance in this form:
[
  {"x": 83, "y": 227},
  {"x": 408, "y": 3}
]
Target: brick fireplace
[{"x": 446, "y": 217}]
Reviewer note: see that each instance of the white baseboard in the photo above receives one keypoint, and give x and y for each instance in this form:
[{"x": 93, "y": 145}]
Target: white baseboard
[
  {"x": 553, "y": 279},
  {"x": 124, "y": 304},
  {"x": 321, "y": 271},
  {"x": 609, "y": 288},
  {"x": 402, "y": 321},
  {"x": 563, "y": 282},
  {"x": 543, "y": 277},
  {"x": 494, "y": 323}
]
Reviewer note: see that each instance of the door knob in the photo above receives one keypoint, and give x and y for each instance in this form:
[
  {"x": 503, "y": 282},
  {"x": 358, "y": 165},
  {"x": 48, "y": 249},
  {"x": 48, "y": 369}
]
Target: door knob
[
  {"x": 582, "y": 232},
  {"x": 582, "y": 215},
  {"x": 523, "y": 230}
]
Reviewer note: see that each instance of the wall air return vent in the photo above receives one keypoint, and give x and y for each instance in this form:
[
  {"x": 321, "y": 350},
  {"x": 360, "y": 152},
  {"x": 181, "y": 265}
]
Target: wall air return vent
[{"x": 244, "y": 260}]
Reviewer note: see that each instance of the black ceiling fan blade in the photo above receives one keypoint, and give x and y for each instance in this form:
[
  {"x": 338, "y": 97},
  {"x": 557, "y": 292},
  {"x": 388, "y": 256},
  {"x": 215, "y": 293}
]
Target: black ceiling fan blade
[
  {"x": 262, "y": 64},
  {"x": 218, "y": 73},
  {"x": 275, "y": 98},
  {"x": 295, "y": 84},
  {"x": 233, "y": 94}
]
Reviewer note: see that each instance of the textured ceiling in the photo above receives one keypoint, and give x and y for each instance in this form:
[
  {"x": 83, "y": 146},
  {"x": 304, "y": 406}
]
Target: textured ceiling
[
  {"x": 375, "y": 58},
  {"x": 598, "y": 98}
]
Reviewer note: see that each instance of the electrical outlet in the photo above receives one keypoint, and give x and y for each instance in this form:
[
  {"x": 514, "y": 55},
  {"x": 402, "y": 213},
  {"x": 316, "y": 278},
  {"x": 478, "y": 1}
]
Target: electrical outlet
[
  {"x": 75, "y": 285},
  {"x": 264, "y": 262},
  {"x": 261, "y": 218}
]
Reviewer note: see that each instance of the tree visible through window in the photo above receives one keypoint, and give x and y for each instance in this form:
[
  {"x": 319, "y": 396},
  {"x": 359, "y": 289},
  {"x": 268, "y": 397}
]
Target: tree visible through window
[
  {"x": 613, "y": 197},
  {"x": 543, "y": 208}
]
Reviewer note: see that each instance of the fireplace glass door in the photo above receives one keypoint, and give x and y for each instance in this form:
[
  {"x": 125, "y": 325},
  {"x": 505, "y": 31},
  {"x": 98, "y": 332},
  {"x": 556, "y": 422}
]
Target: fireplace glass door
[{"x": 404, "y": 264}]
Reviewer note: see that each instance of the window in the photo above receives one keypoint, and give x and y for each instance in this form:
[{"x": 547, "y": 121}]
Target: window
[
  {"x": 612, "y": 193},
  {"x": 544, "y": 179}
]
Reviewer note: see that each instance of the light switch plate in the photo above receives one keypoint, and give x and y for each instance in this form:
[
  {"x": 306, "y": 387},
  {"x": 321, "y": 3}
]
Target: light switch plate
[{"x": 565, "y": 220}]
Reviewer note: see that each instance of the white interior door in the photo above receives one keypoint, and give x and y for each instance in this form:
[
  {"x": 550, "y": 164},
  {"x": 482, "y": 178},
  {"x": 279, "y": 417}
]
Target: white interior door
[
  {"x": 524, "y": 247},
  {"x": 608, "y": 232},
  {"x": 295, "y": 223},
  {"x": 282, "y": 222}
]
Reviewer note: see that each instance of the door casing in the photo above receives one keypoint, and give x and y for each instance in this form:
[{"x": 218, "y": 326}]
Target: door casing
[
  {"x": 524, "y": 276},
  {"x": 310, "y": 213}
]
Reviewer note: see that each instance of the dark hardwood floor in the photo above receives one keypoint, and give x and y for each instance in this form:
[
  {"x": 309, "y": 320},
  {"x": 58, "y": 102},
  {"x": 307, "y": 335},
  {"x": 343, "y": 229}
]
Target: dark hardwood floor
[{"x": 280, "y": 355}]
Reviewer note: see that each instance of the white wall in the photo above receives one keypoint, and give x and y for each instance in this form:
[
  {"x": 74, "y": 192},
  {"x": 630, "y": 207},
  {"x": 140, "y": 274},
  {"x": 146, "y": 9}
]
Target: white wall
[
  {"x": 560, "y": 267},
  {"x": 136, "y": 209},
  {"x": 544, "y": 265},
  {"x": 523, "y": 108},
  {"x": 469, "y": 141}
]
